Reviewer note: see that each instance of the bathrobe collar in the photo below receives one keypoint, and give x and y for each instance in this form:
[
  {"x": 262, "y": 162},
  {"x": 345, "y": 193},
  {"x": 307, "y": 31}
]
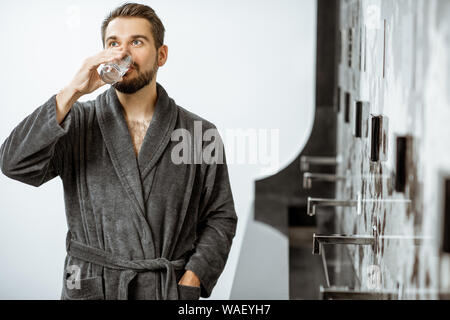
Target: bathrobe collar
[{"x": 132, "y": 171}]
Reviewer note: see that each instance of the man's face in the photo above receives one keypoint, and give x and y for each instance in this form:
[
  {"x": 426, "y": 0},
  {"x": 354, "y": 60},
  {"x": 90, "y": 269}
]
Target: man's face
[{"x": 134, "y": 36}]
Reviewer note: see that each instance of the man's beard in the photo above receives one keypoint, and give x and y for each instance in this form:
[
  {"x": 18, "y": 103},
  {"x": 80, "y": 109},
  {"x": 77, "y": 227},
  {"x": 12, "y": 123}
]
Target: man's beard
[{"x": 135, "y": 84}]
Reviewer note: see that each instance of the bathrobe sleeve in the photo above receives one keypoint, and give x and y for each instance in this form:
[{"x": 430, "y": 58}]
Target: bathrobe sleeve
[
  {"x": 33, "y": 152},
  {"x": 216, "y": 227}
]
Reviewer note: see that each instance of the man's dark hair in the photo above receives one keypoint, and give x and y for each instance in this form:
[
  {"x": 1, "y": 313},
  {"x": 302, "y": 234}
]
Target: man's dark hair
[{"x": 139, "y": 11}]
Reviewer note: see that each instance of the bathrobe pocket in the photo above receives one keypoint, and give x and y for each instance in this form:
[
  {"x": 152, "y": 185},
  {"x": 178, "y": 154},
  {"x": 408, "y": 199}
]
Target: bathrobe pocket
[
  {"x": 188, "y": 292},
  {"x": 88, "y": 289}
]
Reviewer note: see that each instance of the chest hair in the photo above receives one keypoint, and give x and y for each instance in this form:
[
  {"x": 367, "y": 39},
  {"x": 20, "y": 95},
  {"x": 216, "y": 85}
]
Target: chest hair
[{"x": 138, "y": 129}]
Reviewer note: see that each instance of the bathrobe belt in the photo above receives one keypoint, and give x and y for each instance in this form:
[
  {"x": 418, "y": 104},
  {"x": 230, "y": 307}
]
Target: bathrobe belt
[{"x": 130, "y": 267}]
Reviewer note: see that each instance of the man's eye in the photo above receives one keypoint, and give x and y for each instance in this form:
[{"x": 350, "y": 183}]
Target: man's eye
[
  {"x": 139, "y": 41},
  {"x": 112, "y": 43}
]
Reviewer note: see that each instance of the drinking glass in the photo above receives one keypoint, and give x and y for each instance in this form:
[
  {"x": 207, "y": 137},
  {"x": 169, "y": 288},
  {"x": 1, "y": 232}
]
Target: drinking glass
[{"x": 112, "y": 72}]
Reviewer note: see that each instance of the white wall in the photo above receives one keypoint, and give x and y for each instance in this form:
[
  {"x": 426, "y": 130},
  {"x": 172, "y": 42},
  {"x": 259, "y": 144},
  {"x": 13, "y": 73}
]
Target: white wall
[{"x": 240, "y": 64}]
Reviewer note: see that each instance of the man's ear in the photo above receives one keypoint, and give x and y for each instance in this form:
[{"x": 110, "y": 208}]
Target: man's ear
[{"x": 163, "y": 52}]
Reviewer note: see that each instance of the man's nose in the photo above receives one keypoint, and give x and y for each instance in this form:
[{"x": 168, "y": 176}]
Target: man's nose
[{"x": 126, "y": 49}]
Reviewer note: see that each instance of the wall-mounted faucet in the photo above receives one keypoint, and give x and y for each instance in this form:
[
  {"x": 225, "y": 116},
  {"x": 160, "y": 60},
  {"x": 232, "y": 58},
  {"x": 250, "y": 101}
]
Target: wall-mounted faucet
[
  {"x": 313, "y": 202},
  {"x": 305, "y": 161},
  {"x": 309, "y": 176},
  {"x": 331, "y": 177},
  {"x": 345, "y": 293},
  {"x": 319, "y": 240}
]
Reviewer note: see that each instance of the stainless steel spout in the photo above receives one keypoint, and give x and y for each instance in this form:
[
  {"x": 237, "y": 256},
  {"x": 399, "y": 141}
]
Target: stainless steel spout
[
  {"x": 319, "y": 240},
  {"x": 305, "y": 161},
  {"x": 344, "y": 293},
  {"x": 313, "y": 202},
  {"x": 309, "y": 176}
]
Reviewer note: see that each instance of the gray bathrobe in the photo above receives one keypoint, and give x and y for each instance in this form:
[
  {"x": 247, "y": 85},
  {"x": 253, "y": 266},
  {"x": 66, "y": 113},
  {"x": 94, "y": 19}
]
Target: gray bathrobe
[{"x": 135, "y": 224}]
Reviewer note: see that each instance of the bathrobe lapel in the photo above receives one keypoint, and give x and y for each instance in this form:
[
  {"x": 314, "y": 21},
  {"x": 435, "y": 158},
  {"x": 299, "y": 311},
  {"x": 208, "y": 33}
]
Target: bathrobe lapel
[
  {"x": 158, "y": 134},
  {"x": 131, "y": 170}
]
